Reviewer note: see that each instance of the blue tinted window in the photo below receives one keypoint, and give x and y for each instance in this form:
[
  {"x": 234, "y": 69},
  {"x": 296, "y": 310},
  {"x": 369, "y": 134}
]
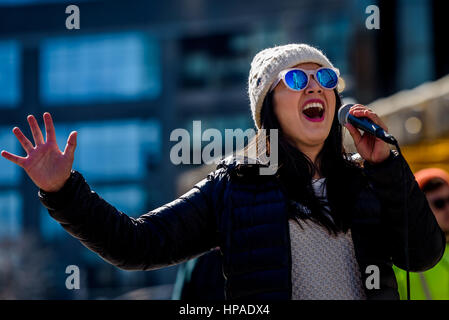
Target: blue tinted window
[
  {"x": 115, "y": 149},
  {"x": 10, "y": 214},
  {"x": 9, "y": 172},
  {"x": 332, "y": 38},
  {"x": 220, "y": 123},
  {"x": 9, "y": 74},
  {"x": 233, "y": 123},
  {"x": 129, "y": 199},
  {"x": 50, "y": 228},
  {"x": 218, "y": 60},
  {"x": 414, "y": 45},
  {"x": 106, "y": 68}
]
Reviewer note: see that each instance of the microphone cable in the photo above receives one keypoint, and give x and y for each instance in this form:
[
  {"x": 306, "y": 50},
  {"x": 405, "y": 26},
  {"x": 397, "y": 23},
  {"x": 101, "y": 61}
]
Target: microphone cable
[
  {"x": 378, "y": 132},
  {"x": 406, "y": 236}
]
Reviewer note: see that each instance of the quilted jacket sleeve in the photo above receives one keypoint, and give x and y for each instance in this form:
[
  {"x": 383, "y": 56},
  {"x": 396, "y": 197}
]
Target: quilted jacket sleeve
[
  {"x": 175, "y": 232},
  {"x": 426, "y": 241}
]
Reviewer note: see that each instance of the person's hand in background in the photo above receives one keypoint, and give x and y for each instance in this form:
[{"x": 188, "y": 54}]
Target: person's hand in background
[{"x": 45, "y": 164}]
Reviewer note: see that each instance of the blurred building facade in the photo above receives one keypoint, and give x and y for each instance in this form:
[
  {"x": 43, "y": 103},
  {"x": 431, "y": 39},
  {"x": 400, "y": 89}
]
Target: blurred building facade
[
  {"x": 137, "y": 70},
  {"x": 419, "y": 119}
]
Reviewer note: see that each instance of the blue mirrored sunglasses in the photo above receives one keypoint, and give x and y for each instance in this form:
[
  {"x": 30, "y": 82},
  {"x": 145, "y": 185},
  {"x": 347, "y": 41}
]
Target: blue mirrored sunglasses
[{"x": 297, "y": 79}]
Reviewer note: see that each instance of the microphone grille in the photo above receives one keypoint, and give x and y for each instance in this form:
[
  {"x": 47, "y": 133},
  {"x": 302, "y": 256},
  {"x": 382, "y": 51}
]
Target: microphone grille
[{"x": 343, "y": 113}]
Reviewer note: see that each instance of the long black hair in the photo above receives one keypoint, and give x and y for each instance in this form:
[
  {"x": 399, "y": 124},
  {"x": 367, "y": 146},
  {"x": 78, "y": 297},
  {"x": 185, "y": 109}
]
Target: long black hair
[{"x": 296, "y": 171}]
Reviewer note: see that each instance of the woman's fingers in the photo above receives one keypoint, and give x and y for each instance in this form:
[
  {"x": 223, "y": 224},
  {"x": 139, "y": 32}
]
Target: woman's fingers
[
  {"x": 355, "y": 134},
  {"x": 35, "y": 130},
  {"x": 20, "y": 161},
  {"x": 375, "y": 118},
  {"x": 49, "y": 128},
  {"x": 362, "y": 111},
  {"x": 71, "y": 145},
  {"x": 26, "y": 144}
]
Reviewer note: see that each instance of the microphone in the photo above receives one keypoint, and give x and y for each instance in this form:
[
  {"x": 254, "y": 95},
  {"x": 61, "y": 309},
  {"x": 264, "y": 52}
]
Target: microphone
[{"x": 364, "y": 124}]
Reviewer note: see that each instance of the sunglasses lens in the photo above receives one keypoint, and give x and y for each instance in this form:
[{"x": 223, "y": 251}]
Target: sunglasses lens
[
  {"x": 327, "y": 78},
  {"x": 439, "y": 203},
  {"x": 296, "y": 79}
]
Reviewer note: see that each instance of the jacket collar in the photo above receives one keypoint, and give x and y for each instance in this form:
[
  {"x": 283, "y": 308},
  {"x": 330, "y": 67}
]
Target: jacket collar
[{"x": 242, "y": 165}]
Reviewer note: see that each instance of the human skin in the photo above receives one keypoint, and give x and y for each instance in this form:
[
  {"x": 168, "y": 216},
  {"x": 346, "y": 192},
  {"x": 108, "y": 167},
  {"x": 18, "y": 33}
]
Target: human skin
[
  {"x": 441, "y": 215},
  {"x": 49, "y": 168},
  {"x": 309, "y": 136},
  {"x": 45, "y": 164}
]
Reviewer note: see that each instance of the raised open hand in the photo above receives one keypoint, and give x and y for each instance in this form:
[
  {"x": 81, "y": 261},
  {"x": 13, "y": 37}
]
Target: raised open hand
[{"x": 45, "y": 164}]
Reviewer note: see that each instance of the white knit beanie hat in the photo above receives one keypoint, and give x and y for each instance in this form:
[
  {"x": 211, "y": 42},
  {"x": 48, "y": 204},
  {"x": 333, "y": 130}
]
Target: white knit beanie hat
[{"x": 267, "y": 64}]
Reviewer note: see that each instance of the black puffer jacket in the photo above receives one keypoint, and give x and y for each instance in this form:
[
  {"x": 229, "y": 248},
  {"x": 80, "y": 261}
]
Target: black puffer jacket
[{"x": 246, "y": 216}]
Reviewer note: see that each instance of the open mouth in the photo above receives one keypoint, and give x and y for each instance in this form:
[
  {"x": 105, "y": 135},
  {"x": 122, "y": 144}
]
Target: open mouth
[{"x": 314, "y": 111}]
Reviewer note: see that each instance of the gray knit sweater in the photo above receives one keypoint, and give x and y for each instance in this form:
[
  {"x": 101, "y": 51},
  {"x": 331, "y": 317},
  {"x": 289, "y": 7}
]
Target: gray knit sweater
[{"x": 324, "y": 266}]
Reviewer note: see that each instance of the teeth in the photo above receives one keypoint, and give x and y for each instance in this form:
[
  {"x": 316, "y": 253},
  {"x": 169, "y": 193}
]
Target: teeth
[{"x": 313, "y": 105}]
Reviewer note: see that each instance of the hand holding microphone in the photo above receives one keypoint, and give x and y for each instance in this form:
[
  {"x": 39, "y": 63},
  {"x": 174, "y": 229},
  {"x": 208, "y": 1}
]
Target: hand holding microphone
[{"x": 372, "y": 144}]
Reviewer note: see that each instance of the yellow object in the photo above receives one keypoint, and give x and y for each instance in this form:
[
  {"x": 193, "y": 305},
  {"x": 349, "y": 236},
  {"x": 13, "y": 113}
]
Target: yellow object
[
  {"x": 428, "y": 154},
  {"x": 432, "y": 284}
]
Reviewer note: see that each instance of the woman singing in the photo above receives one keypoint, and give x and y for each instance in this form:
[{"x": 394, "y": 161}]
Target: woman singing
[{"x": 324, "y": 226}]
